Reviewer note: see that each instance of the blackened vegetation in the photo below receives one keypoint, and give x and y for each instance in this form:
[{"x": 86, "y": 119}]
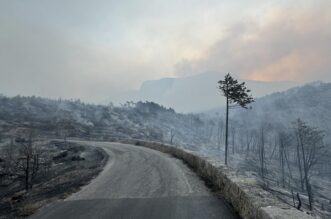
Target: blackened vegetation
[
  {"x": 72, "y": 118},
  {"x": 266, "y": 142},
  {"x": 285, "y": 142},
  {"x": 29, "y": 182}
]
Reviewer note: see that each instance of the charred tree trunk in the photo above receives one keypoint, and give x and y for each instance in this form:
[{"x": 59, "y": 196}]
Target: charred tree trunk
[
  {"x": 306, "y": 178},
  {"x": 27, "y": 173},
  {"x": 299, "y": 164},
  {"x": 262, "y": 154},
  {"x": 282, "y": 159},
  {"x": 299, "y": 200},
  {"x": 226, "y": 131},
  {"x": 233, "y": 135}
]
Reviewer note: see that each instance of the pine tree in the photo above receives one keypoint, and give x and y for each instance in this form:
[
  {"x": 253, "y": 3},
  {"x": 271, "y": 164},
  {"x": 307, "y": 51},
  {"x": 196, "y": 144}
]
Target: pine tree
[{"x": 236, "y": 94}]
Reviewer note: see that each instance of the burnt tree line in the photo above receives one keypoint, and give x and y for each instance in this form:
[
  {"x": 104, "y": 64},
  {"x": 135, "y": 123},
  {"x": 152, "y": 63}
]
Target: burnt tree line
[
  {"x": 284, "y": 156},
  {"x": 23, "y": 159}
]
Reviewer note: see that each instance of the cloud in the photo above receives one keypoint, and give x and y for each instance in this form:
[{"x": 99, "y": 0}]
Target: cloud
[
  {"x": 96, "y": 50},
  {"x": 37, "y": 59},
  {"x": 290, "y": 43}
]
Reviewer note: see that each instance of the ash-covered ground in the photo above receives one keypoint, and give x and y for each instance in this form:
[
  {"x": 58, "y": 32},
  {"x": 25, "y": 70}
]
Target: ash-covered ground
[{"x": 63, "y": 168}]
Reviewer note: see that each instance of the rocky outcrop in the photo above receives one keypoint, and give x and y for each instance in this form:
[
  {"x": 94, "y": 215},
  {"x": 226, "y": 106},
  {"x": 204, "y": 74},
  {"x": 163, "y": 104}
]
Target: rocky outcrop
[{"x": 245, "y": 194}]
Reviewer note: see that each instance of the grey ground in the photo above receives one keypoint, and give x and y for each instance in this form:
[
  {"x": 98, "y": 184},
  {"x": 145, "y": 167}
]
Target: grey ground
[{"x": 139, "y": 182}]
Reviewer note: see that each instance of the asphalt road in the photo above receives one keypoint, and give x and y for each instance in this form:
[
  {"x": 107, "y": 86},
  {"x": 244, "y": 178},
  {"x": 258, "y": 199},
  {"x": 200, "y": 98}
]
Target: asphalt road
[{"x": 142, "y": 183}]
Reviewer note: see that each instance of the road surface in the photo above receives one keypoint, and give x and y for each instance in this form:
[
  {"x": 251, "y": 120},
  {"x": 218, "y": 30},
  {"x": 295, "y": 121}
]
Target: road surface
[{"x": 139, "y": 183}]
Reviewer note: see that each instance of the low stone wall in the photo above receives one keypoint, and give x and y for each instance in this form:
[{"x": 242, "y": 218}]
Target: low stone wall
[{"x": 245, "y": 195}]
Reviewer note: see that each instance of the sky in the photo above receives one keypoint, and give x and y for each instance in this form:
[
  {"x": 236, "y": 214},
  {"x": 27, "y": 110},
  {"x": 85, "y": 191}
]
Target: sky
[{"x": 99, "y": 49}]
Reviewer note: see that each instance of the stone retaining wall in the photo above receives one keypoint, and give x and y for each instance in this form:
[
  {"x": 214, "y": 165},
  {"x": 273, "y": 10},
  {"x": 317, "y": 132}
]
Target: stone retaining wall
[{"x": 245, "y": 195}]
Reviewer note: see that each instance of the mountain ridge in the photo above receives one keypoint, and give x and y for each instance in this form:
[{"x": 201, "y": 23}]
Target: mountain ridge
[{"x": 197, "y": 93}]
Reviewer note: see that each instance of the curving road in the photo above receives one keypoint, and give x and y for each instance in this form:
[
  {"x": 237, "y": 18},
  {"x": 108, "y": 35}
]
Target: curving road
[{"x": 142, "y": 183}]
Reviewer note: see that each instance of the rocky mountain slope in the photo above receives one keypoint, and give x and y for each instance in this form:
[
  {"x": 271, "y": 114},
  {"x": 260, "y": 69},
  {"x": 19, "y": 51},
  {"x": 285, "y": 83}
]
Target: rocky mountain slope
[{"x": 197, "y": 93}]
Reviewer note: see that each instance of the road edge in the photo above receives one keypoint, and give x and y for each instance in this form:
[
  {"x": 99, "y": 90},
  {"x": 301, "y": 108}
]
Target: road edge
[{"x": 243, "y": 193}]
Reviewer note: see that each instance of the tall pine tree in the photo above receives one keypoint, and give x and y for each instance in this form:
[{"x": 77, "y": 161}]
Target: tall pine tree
[{"x": 236, "y": 94}]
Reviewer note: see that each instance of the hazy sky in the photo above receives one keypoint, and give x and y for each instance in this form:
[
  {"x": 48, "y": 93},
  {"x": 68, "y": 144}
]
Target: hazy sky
[{"x": 96, "y": 49}]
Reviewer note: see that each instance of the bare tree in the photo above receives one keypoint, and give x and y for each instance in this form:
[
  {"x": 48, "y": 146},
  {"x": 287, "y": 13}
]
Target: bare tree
[
  {"x": 7, "y": 167},
  {"x": 28, "y": 161},
  {"x": 311, "y": 149},
  {"x": 24, "y": 161},
  {"x": 249, "y": 141},
  {"x": 210, "y": 125},
  {"x": 299, "y": 162},
  {"x": 233, "y": 135},
  {"x": 172, "y": 135},
  {"x": 262, "y": 153},
  {"x": 220, "y": 133},
  {"x": 284, "y": 142}
]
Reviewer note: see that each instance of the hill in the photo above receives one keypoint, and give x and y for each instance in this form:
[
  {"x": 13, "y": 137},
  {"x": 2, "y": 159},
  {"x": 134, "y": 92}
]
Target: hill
[
  {"x": 72, "y": 118},
  {"x": 311, "y": 103},
  {"x": 196, "y": 93}
]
